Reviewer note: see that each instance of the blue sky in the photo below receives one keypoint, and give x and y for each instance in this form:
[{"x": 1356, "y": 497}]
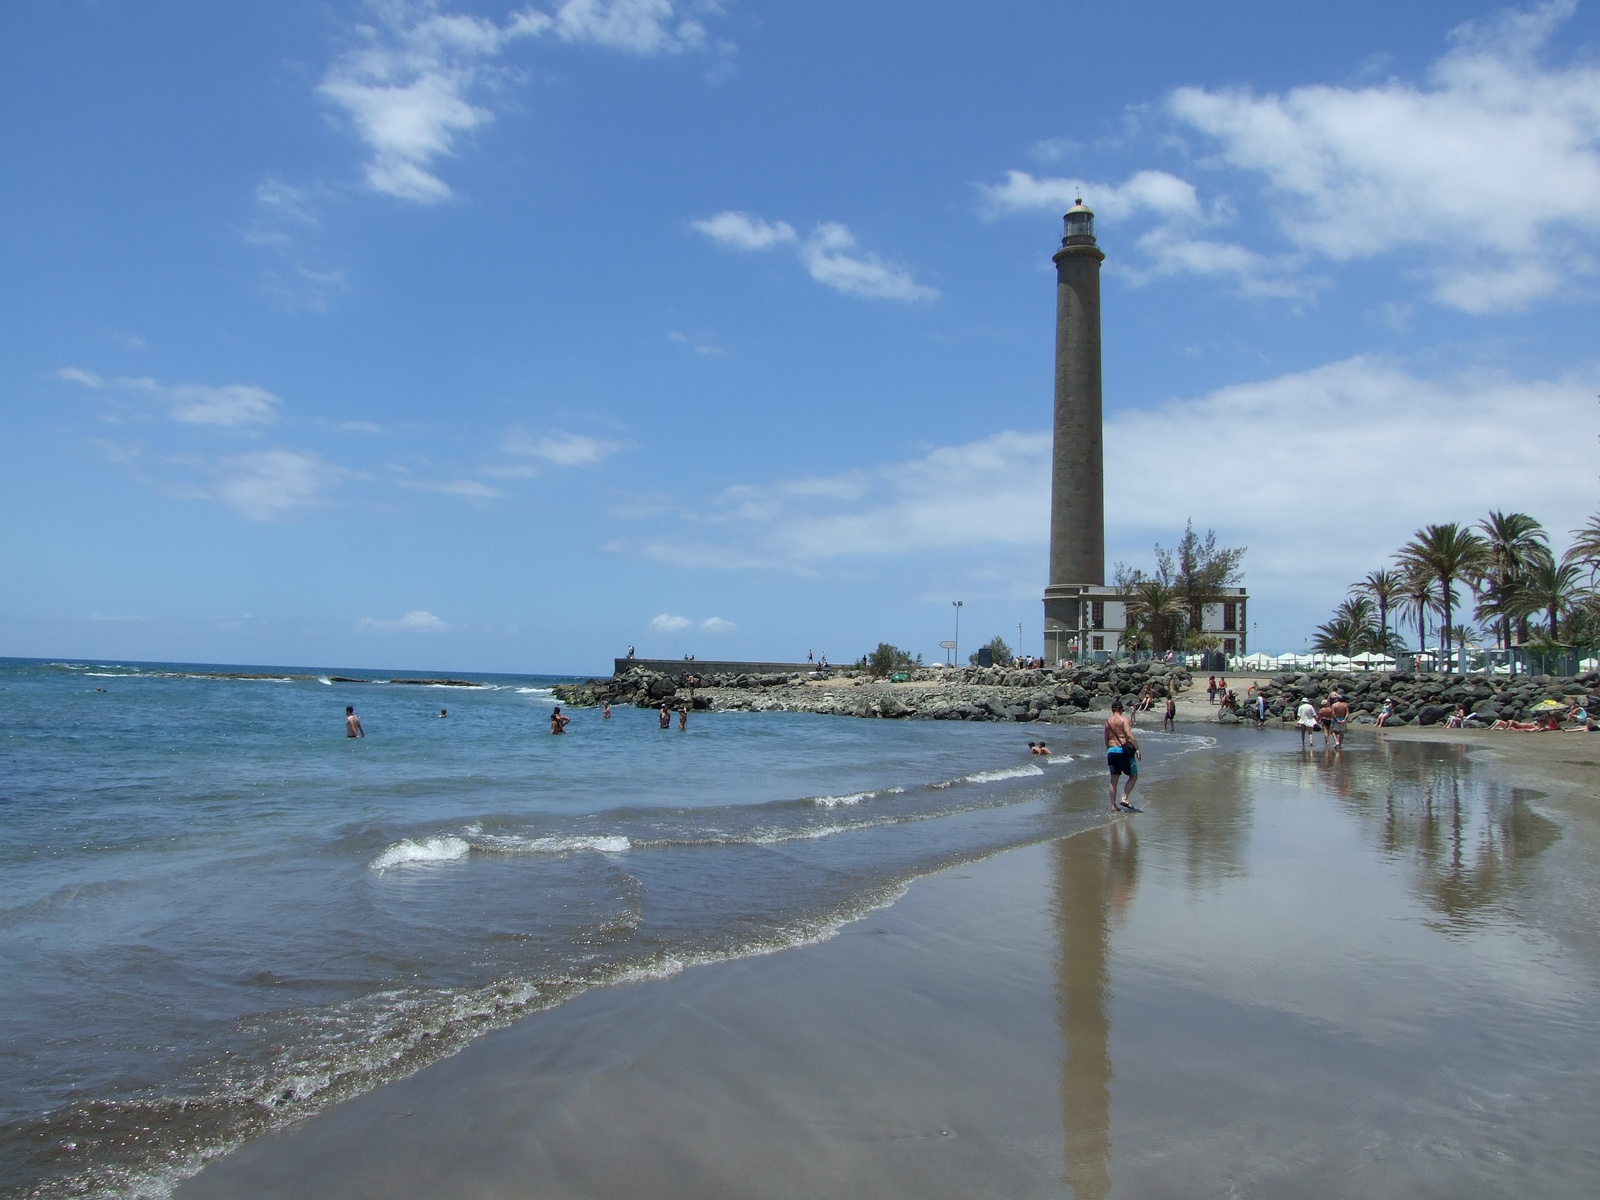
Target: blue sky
[{"x": 475, "y": 336}]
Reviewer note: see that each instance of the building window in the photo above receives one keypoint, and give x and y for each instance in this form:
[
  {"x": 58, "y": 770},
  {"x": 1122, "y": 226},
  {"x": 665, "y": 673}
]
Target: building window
[
  {"x": 1230, "y": 617},
  {"x": 1229, "y": 646},
  {"x": 1097, "y": 617},
  {"x": 1099, "y": 642}
]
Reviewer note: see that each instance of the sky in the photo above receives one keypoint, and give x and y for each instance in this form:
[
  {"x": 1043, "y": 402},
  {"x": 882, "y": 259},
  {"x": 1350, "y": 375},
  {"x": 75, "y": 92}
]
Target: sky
[{"x": 475, "y": 336}]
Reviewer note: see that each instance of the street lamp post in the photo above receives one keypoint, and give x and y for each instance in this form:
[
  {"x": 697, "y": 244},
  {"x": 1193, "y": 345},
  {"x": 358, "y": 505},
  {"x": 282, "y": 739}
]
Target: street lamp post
[{"x": 958, "y": 605}]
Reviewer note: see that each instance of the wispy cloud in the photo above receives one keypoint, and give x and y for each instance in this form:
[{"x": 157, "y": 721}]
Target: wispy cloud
[
  {"x": 831, "y": 255},
  {"x": 417, "y": 80},
  {"x": 668, "y": 623},
  {"x": 417, "y": 621},
  {"x": 471, "y": 489},
  {"x": 269, "y": 484},
  {"x": 717, "y": 625},
  {"x": 231, "y": 406},
  {"x": 559, "y": 449}
]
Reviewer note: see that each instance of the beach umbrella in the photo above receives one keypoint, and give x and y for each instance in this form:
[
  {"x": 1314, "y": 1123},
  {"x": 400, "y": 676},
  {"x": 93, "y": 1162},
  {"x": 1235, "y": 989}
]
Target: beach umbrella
[{"x": 1547, "y": 706}]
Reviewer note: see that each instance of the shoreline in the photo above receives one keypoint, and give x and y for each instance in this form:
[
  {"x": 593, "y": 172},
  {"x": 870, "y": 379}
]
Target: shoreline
[{"x": 1045, "y": 1018}]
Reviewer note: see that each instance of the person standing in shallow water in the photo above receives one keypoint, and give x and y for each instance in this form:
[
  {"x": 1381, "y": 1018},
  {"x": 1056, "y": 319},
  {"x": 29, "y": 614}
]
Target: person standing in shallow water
[
  {"x": 683, "y": 716},
  {"x": 666, "y": 716},
  {"x": 559, "y": 723},
  {"x": 1169, "y": 719},
  {"x": 1122, "y": 756},
  {"x": 352, "y": 723}
]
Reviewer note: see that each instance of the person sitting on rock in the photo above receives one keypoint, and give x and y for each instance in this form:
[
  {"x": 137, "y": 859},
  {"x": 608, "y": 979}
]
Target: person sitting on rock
[{"x": 1387, "y": 714}]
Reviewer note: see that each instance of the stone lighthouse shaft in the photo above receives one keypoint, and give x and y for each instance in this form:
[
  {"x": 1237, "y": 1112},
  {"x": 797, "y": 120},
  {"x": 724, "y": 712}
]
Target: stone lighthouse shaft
[{"x": 1077, "y": 484}]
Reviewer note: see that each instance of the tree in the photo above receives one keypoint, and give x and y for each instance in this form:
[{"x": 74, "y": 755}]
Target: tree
[
  {"x": 1552, "y": 588},
  {"x": 1159, "y": 608},
  {"x": 1199, "y": 569},
  {"x": 887, "y": 659},
  {"x": 1514, "y": 541},
  {"x": 1352, "y": 630},
  {"x": 1448, "y": 554},
  {"x": 997, "y": 648},
  {"x": 1585, "y": 550},
  {"x": 1386, "y": 588},
  {"x": 1418, "y": 597}
]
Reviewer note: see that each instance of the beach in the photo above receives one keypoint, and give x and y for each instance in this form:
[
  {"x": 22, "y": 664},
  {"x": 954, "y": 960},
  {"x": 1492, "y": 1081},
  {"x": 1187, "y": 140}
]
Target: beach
[{"x": 1367, "y": 973}]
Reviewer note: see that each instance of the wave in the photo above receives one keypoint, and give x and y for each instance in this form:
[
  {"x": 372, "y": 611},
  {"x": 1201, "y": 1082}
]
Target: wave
[
  {"x": 429, "y": 850},
  {"x": 994, "y": 776},
  {"x": 836, "y": 801},
  {"x": 511, "y": 844},
  {"x": 522, "y": 691}
]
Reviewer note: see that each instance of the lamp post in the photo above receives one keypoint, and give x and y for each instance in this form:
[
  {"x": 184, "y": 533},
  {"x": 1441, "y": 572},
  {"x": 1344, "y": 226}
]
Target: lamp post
[{"x": 958, "y": 605}]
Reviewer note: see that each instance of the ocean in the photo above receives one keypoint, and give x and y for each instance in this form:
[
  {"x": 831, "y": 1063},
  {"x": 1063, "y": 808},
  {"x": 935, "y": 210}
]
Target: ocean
[{"x": 219, "y": 914}]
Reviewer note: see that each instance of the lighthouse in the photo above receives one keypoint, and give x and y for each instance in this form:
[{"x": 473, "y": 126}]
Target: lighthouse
[{"x": 1077, "y": 475}]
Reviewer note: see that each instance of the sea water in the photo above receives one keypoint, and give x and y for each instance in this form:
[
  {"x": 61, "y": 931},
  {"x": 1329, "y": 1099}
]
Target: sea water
[{"x": 218, "y": 913}]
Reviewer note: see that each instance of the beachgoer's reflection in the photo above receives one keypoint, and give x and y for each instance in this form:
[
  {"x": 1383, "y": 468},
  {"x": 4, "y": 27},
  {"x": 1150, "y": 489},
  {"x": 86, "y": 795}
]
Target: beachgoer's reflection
[{"x": 1096, "y": 873}]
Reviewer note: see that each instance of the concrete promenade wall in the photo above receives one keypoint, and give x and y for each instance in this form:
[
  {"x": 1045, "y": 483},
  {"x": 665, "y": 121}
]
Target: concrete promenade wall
[{"x": 678, "y": 668}]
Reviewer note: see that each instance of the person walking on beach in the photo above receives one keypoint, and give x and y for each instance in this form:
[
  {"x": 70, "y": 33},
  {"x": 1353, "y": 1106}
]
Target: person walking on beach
[
  {"x": 558, "y": 723},
  {"x": 352, "y": 723},
  {"x": 666, "y": 717},
  {"x": 1169, "y": 719},
  {"x": 1306, "y": 719},
  {"x": 1122, "y": 757},
  {"x": 1325, "y": 719},
  {"x": 1261, "y": 710},
  {"x": 1211, "y": 689},
  {"x": 1341, "y": 714}
]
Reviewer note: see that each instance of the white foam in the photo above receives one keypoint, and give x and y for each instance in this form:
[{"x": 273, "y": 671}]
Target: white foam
[
  {"x": 1018, "y": 772},
  {"x": 536, "y": 691},
  {"x": 836, "y": 801},
  {"x": 599, "y": 843},
  {"x": 324, "y": 679},
  {"x": 428, "y": 850}
]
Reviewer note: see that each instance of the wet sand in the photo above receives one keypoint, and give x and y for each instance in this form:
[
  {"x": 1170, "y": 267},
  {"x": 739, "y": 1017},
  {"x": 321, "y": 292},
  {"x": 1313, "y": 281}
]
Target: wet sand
[{"x": 1360, "y": 974}]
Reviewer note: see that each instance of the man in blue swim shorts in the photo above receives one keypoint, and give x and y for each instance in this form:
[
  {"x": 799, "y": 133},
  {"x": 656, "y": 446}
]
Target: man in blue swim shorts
[{"x": 1122, "y": 757}]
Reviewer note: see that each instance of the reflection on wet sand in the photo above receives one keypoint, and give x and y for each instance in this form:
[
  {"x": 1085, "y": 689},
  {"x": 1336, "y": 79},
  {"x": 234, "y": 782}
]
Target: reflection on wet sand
[
  {"x": 1469, "y": 840},
  {"x": 1095, "y": 877}
]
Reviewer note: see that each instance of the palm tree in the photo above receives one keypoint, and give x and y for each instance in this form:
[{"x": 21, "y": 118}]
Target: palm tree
[
  {"x": 1514, "y": 542},
  {"x": 1449, "y": 554},
  {"x": 1418, "y": 598},
  {"x": 1386, "y": 588},
  {"x": 1585, "y": 549},
  {"x": 1351, "y": 631},
  {"x": 1337, "y": 636},
  {"x": 1553, "y": 589},
  {"x": 1158, "y": 606}
]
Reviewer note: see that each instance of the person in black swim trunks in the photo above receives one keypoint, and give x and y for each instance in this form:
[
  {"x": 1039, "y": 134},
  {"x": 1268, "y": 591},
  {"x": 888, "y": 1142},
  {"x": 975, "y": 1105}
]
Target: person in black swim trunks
[{"x": 1122, "y": 756}]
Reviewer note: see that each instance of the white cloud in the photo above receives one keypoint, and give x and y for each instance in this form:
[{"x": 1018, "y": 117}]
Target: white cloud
[
  {"x": 668, "y": 623},
  {"x": 1491, "y": 170},
  {"x": 268, "y": 484},
  {"x": 231, "y": 406},
  {"x": 637, "y": 26},
  {"x": 413, "y": 622},
  {"x": 410, "y": 88},
  {"x": 1335, "y": 467},
  {"x": 830, "y": 255},
  {"x": 226, "y": 407},
  {"x": 741, "y": 231},
  {"x": 993, "y": 492},
  {"x": 1147, "y": 191},
  {"x": 472, "y": 489},
  {"x": 560, "y": 449},
  {"x": 717, "y": 625}
]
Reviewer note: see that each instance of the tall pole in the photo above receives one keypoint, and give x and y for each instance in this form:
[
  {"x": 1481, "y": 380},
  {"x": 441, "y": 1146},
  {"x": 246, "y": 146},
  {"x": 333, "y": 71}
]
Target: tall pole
[{"x": 957, "y": 605}]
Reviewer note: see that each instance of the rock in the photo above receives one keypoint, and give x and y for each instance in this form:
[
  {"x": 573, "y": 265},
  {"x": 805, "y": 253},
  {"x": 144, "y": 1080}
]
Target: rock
[{"x": 1432, "y": 714}]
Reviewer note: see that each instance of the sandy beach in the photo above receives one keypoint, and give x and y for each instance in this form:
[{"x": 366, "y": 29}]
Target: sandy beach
[{"x": 1360, "y": 974}]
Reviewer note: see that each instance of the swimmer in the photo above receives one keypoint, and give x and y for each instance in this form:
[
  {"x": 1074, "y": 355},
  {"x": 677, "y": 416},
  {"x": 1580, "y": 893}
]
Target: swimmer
[
  {"x": 683, "y": 716},
  {"x": 1043, "y": 749},
  {"x": 666, "y": 716},
  {"x": 558, "y": 723},
  {"x": 352, "y": 723},
  {"x": 443, "y": 713},
  {"x": 605, "y": 713}
]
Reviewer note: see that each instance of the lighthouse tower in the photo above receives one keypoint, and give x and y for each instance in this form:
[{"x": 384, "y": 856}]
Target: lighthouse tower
[{"x": 1077, "y": 477}]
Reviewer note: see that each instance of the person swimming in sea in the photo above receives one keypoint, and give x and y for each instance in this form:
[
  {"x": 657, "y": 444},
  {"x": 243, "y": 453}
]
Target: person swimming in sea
[
  {"x": 352, "y": 723},
  {"x": 605, "y": 713},
  {"x": 558, "y": 723}
]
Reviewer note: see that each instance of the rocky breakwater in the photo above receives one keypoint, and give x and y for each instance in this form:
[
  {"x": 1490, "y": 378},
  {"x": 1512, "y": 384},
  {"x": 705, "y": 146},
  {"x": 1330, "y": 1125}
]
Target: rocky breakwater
[
  {"x": 1425, "y": 698},
  {"x": 965, "y": 694}
]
